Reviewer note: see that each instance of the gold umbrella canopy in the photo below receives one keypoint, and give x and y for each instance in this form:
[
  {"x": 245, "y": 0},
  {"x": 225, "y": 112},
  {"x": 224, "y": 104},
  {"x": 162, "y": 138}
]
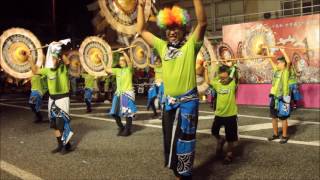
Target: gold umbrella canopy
[
  {"x": 95, "y": 53},
  {"x": 15, "y": 45},
  {"x": 206, "y": 54},
  {"x": 75, "y": 65},
  {"x": 122, "y": 14},
  {"x": 256, "y": 37},
  {"x": 140, "y": 53}
]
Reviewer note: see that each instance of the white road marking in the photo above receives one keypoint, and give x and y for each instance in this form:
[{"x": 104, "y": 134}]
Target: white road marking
[
  {"x": 93, "y": 103},
  {"x": 268, "y": 118},
  {"x": 76, "y": 102},
  {"x": 93, "y": 108},
  {"x": 15, "y": 99},
  {"x": 210, "y": 117},
  {"x": 15, "y": 171},
  {"x": 105, "y": 114},
  {"x": 205, "y": 131},
  {"x": 298, "y": 109},
  {"x": 100, "y": 107},
  {"x": 256, "y": 127}
]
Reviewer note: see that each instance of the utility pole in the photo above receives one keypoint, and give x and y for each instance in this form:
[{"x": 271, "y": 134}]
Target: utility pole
[{"x": 54, "y": 27}]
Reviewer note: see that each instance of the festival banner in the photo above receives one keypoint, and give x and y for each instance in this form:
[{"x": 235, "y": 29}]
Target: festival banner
[{"x": 300, "y": 34}]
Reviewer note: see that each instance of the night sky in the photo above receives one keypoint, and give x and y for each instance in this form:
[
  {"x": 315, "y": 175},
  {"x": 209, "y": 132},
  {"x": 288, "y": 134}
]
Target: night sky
[{"x": 72, "y": 18}]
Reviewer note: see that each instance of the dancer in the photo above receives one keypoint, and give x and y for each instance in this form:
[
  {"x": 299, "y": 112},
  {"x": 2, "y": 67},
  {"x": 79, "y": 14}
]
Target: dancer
[
  {"x": 89, "y": 81},
  {"x": 280, "y": 96},
  {"x": 56, "y": 72},
  {"x": 123, "y": 103},
  {"x": 178, "y": 56},
  {"x": 156, "y": 90},
  {"x": 226, "y": 110},
  {"x": 38, "y": 89},
  {"x": 293, "y": 87}
]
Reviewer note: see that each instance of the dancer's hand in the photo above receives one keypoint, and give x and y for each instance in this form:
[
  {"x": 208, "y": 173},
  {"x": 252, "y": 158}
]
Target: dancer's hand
[
  {"x": 205, "y": 64},
  {"x": 29, "y": 56},
  {"x": 282, "y": 49}
]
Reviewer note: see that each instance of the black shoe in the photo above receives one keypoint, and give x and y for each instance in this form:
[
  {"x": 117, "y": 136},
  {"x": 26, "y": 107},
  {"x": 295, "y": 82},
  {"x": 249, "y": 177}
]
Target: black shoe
[
  {"x": 57, "y": 149},
  {"x": 284, "y": 140},
  {"x": 125, "y": 132},
  {"x": 66, "y": 149},
  {"x": 120, "y": 130},
  {"x": 68, "y": 146},
  {"x": 227, "y": 160},
  {"x": 155, "y": 116},
  {"x": 38, "y": 118},
  {"x": 273, "y": 137},
  {"x": 88, "y": 106}
]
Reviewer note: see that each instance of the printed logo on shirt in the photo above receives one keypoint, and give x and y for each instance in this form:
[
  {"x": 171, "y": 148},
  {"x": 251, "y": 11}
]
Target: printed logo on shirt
[
  {"x": 224, "y": 91},
  {"x": 276, "y": 75},
  {"x": 52, "y": 77}
]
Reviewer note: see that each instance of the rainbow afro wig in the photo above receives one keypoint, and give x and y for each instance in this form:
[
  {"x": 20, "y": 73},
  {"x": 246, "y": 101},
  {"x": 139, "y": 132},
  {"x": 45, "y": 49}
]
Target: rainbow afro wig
[{"x": 176, "y": 16}]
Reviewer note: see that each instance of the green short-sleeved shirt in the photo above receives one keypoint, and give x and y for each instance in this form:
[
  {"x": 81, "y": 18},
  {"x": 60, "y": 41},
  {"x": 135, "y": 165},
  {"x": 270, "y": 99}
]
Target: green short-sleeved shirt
[
  {"x": 88, "y": 80},
  {"x": 38, "y": 83},
  {"x": 179, "y": 74},
  {"x": 58, "y": 80},
  {"x": 123, "y": 78},
  {"x": 292, "y": 77},
  {"x": 158, "y": 73},
  {"x": 226, "y": 98},
  {"x": 280, "y": 82}
]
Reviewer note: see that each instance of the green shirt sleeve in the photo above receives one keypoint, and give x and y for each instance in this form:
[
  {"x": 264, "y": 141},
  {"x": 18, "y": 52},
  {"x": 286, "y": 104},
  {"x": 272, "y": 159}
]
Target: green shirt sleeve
[
  {"x": 115, "y": 70},
  {"x": 43, "y": 71},
  {"x": 286, "y": 82},
  {"x": 159, "y": 45},
  {"x": 131, "y": 69}
]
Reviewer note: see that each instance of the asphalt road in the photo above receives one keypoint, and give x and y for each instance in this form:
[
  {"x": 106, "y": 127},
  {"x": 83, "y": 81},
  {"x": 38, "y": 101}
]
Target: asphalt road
[{"x": 100, "y": 154}]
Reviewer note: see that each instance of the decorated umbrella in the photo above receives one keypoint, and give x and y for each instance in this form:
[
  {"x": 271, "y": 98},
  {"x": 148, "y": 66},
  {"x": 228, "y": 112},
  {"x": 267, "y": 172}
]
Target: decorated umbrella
[
  {"x": 15, "y": 45},
  {"x": 75, "y": 65},
  {"x": 95, "y": 53},
  {"x": 256, "y": 37},
  {"x": 122, "y": 14},
  {"x": 206, "y": 54},
  {"x": 224, "y": 51},
  {"x": 140, "y": 53}
]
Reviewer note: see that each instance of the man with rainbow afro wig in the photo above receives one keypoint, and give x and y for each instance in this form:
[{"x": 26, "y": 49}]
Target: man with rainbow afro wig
[{"x": 178, "y": 55}]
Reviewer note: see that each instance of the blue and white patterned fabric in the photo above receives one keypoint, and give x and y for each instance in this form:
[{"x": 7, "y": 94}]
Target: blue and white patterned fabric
[
  {"x": 59, "y": 108},
  {"x": 155, "y": 91},
  {"x": 88, "y": 94},
  {"x": 284, "y": 106},
  {"x": 295, "y": 92},
  {"x": 183, "y": 141},
  {"x": 35, "y": 100},
  {"x": 123, "y": 105}
]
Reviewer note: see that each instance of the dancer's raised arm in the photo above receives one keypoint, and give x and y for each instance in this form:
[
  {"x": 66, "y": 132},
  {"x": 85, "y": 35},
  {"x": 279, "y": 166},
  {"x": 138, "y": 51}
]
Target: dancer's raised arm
[
  {"x": 200, "y": 29},
  {"x": 141, "y": 29}
]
